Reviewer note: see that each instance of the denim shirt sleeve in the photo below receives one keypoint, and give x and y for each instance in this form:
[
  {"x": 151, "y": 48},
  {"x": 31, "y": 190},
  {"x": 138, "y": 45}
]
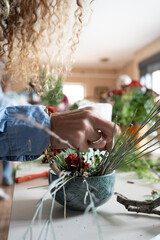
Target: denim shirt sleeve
[{"x": 19, "y": 141}]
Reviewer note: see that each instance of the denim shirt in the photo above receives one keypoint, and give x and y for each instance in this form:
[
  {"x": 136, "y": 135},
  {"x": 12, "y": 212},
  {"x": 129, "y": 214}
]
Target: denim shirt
[{"x": 19, "y": 141}]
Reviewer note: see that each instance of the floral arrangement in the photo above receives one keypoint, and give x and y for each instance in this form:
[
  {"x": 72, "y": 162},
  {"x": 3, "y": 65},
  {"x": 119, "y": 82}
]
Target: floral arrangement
[
  {"x": 124, "y": 151},
  {"x": 70, "y": 164},
  {"x": 130, "y": 98},
  {"x": 80, "y": 164}
]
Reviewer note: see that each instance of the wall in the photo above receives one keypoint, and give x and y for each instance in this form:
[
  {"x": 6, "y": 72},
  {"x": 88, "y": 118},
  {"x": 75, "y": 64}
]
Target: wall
[
  {"x": 92, "y": 78},
  {"x": 131, "y": 68}
]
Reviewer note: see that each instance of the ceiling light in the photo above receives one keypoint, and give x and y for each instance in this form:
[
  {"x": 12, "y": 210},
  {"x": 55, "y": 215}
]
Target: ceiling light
[{"x": 104, "y": 60}]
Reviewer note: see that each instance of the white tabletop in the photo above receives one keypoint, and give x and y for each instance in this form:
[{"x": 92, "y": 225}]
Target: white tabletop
[{"x": 115, "y": 221}]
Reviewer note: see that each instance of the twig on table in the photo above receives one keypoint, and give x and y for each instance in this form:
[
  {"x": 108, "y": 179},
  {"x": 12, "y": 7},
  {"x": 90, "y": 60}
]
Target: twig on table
[
  {"x": 46, "y": 185},
  {"x": 65, "y": 202},
  {"x": 139, "y": 206},
  {"x": 130, "y": 182}
]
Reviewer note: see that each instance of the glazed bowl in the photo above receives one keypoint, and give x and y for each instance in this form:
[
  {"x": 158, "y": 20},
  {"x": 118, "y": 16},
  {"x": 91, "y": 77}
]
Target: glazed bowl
[{"x": 101, "y": 186}]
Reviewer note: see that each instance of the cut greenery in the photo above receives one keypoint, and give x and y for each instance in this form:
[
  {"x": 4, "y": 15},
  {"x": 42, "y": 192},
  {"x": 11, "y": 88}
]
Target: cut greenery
[{"x": 145, "y": 168}]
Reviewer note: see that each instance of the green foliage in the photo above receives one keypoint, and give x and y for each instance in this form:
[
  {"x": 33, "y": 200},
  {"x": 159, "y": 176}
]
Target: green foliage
[
  {"x": 131, "y": 98},
  {"x": 54, "y": 95},
  {"x": 74, "y": 106},
  {"x": 145, "y": 168}
]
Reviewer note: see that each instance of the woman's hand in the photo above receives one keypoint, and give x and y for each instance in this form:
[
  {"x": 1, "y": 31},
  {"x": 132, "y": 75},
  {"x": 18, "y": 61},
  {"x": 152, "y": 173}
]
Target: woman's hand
[{"x": 83, "y": 128}]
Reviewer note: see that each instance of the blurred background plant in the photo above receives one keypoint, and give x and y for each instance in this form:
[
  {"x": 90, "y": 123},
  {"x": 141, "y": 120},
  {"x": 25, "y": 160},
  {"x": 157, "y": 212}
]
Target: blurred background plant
[
  {"x": 52, "y": 93},
  {"x": 145, "y": 168},
  {"x": 130, "y": 98}
]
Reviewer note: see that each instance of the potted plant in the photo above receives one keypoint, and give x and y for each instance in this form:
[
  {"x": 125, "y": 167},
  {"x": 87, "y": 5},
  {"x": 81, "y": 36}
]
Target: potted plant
[
  {"x": 88, "y": 182},
  {"x": 97, "y": 168},
  {"x": 132, "y": 99}
]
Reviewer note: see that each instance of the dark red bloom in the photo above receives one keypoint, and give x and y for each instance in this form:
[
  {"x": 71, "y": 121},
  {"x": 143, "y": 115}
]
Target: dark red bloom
[
  {"x": 55, "y": 152},
  {"x": 45, "y": 160},
  {"x": 135, "y": 84},
  {"x": 68, "y": 160},
  {"x": 71, "y": 167},
  {"x": 72, "y": 160},
  {"x": 115, "y": 92},
  {"x": 73, "y": 163},
  {"x": 85, "y": 165}
]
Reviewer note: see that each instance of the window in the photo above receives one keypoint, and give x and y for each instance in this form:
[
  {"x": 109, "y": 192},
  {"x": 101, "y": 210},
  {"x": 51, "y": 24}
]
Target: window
[
  {"x": 156, "y": 81},
  {"x": 150, "y": 72},
  {"x": 74, "y": 92}
]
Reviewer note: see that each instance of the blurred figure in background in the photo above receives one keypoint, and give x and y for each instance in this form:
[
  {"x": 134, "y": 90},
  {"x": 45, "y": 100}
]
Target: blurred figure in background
[
  {"x": 123, "y": 80},
  {"x": 103, "y": 96},
  {"x": 8, "y": 98},
  {"x": 7, "y": 167},
  {"x": 31, "y": 95}
]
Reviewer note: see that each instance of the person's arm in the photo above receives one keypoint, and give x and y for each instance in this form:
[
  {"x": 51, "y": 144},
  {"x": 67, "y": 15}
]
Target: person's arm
[{"x": 20, "y": 141}]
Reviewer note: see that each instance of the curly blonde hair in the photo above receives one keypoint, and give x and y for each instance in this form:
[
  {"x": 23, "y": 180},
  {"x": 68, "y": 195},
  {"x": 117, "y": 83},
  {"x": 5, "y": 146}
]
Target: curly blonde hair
[{"x": 38, "y": 34}]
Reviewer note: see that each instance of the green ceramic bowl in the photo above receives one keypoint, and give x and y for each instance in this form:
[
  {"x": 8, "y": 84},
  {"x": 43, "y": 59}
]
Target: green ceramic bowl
[{"x": 101, "y": 186}]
